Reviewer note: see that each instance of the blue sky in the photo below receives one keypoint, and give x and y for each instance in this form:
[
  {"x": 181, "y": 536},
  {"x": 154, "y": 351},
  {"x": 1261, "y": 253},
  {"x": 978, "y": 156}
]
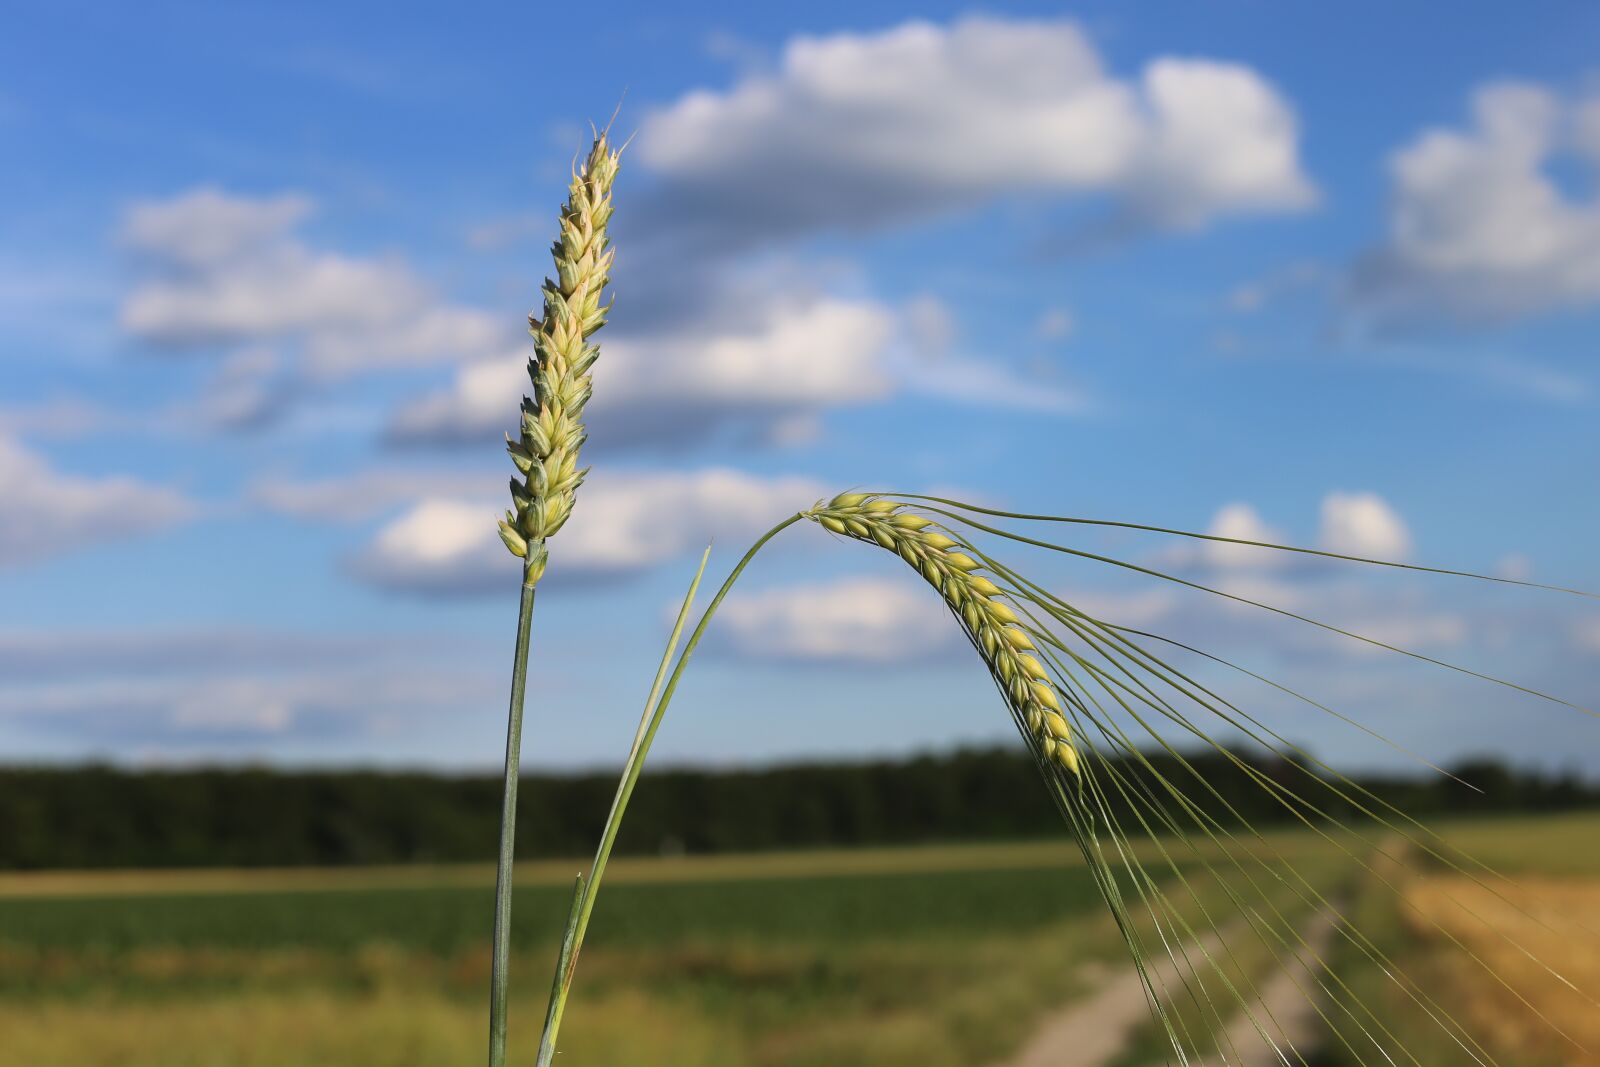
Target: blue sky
[{"x": 1328, "y": 275}]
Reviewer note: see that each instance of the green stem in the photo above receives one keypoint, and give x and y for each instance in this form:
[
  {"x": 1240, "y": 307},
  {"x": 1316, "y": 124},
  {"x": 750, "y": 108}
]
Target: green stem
[
  {"x": 569, "y": 939},
  {"x": 508, "y": 833},
  {"x": 655, "y": 710}
]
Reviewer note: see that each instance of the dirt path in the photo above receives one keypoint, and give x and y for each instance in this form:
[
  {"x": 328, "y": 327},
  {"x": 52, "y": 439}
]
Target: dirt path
[
  {"x": 1089, "y": 1032},
  {"x": 1282, "y": 1008}
]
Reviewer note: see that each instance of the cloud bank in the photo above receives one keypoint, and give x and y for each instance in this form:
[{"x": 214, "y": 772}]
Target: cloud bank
[
  {"x": 47, "y": 512},
  {"x": 1481, "y": 228},
  {"x": 855, "y": 131}
]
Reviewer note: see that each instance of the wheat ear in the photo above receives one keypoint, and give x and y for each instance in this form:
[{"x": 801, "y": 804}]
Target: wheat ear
[
  {"x": 546, "y": 457},
  {"x": 546, "y": 452},
  {"x": 979, "y": 604}
]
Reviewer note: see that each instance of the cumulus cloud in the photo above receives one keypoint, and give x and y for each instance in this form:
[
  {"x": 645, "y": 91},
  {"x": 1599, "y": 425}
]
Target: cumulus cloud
[
  {"x": 439, "y": 546},
  {"x": 628, "y": 522},
  {"x": 1350, "y": 523},
  {"x": 1380, "y": 607},
  {"x": 47, "y": 512},
  {"x": 372, "y": 492},
  {"x": 1481, "y": 229},
  {"x": 876, "y": 621},
  {"x": 62, "y": 418},
  {"x": 1363, "y": 524},
  {"x": 217, "y": 269},
  {"x": 858, "y": 130},
  {"x": 224, "y": 690},
  {"x": 803, "y": 354},
  {"x": 763, "y": 375},
  {"x": 850, "y": 620},
  {"x": 235, "y": 713},
  {"x": 209, "y": 226},
  {"x": 1380, "y": 612},
  {"x": 1241, "y": 522}
]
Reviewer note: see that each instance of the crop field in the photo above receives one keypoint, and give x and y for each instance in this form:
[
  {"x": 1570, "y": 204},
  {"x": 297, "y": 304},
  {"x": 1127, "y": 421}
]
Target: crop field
[
  {"x": 932, "y": 956},
  {"x": 1516, "y": 962}
]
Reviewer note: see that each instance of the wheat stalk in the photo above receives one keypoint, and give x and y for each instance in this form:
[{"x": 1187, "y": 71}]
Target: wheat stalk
[{"x": 546, "y": 456}]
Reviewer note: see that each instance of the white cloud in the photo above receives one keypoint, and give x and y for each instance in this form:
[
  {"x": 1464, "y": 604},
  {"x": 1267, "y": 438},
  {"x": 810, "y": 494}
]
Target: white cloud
[
  {"x": 208, "y": 226},
  {"x": 858, "y": 130},
  {"x": 47, "y": 512},
  {"x": 372, "y": 492},
  {"x": 217, "y": 269},
  {"x": 626, "y": 522},
  {"x": 1480, "y": 228},
  {"x": 220, "y": 713},
  {"x": 64, "y": 417},
  {"x": 871, "y": 620},
  {"x": 851, "y": 620},
  {"x": 225, "y": 692},
  {"x": 978, "y": 383},
  {"x": 480, "y": 402},
  {"x": 1241, "y": 522},
  {"x": 1363, "y": 524},
  {"x": 1352, "y": 524},
  {"x": 764, "y": 376},
  {"x": 247, "y": 705},
  {"x": 1360, "y": 600},
  {"x": 439, "y": 545},
  {"x": 1380, "y": 612},
  {"x": 800, "y": 355}
]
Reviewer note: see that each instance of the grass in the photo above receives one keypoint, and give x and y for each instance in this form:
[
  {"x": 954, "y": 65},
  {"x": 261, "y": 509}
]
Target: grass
[
  {"x": 394, "y": 1028},
  {"x": 1548, "y": 845},
  {"x": 451, "y": 920}
]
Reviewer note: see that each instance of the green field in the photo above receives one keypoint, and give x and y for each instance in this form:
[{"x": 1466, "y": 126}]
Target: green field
[
  {"x": 722, "y": 960},
  {"x": 930, "y": 956}
]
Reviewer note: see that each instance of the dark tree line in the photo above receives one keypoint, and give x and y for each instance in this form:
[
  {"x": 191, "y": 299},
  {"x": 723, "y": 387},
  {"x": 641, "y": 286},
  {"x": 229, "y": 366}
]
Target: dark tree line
[{"x": 97, "y": 816}]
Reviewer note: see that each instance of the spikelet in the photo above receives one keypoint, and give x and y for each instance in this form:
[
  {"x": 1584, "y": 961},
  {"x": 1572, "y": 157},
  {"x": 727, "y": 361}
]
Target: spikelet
[
  {"x": 990, "y": 622},
  {"x": 546, "y": 451}
]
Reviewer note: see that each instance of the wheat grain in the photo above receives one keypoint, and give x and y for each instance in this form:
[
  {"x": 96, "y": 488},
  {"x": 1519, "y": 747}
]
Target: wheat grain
[
  {"x": 975, "y": 600},
  {"x": 546, "y": 453}
]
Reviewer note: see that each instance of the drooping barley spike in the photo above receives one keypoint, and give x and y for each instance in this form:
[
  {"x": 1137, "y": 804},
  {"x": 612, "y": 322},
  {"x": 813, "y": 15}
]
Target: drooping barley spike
[
  {"x": 975, "y": 600},
  {"x": 552, "y": 435}
]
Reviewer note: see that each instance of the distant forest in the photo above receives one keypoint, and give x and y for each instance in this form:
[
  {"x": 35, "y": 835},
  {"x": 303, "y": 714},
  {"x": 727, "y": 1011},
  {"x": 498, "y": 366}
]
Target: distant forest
[{"x": 97, "y": 816}]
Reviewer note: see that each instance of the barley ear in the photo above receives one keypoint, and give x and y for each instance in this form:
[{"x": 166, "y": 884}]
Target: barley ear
[
  {"x": 546, "y": 451},
  {"x": 976, "y": 601}
]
